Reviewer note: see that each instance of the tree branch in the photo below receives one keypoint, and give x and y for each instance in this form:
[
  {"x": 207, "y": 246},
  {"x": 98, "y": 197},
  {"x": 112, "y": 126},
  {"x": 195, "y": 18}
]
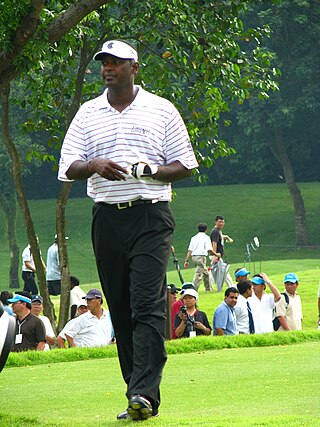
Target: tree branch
[
  {"x": 71, "y": 17},
  {"x": 28, "y": 26},
  {"x": 55, "y": 30}
]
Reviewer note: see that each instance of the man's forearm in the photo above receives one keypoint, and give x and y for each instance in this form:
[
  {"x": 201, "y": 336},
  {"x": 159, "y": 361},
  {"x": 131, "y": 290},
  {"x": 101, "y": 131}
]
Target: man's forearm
[
  {"x": 284, "y": 323},
  {"x": 79, "y": 170},
  {"x": 70, "y": 341},
  {"x": 172, "y": 172},
  {"x": 41, "y": 346}
]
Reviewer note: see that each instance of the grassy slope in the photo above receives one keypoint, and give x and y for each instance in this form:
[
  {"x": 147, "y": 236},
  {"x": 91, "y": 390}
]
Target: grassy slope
[
  {"x": 232, "y": 387},
  {"x": 263, "y": 210}
]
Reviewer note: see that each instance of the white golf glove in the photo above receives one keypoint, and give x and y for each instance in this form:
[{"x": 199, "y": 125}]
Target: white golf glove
[{"x": 142, "y": 170}]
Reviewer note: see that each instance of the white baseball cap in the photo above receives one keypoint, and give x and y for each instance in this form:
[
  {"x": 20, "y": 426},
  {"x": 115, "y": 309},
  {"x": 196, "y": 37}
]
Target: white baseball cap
[
  {"x": 192, "y": 292},
  {"x": 117, "y": 48}
]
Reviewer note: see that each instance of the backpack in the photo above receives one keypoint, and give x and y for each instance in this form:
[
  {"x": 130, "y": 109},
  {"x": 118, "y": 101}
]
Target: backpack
[{"x": 276, "y": 322}]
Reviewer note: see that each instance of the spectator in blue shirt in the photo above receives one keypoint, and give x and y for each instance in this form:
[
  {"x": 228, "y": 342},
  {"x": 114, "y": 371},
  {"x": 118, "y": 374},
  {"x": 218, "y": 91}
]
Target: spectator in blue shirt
[{"x": 224, "y": 319}]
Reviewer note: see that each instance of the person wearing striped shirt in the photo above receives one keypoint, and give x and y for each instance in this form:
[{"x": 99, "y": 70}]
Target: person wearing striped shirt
[{"x": 130, "y": 145}]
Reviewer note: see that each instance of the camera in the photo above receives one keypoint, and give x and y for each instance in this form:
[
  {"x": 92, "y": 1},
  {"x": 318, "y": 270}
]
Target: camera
[
  {"x": 7, "y": 332},
  {"x": 183, "y": 309}
]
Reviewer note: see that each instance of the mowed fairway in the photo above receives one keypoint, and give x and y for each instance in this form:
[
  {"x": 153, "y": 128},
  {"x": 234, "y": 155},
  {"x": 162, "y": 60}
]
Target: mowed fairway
[{"x": 270, "y": 386}]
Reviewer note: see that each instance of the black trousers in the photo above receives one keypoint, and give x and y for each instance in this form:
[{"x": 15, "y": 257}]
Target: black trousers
[
  {"x": 132, "y": 249},
  {"x": 29, "y": 282}
]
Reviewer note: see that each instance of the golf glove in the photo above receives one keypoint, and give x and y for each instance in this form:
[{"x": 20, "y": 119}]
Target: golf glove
[{"x": 142, "y": 170}]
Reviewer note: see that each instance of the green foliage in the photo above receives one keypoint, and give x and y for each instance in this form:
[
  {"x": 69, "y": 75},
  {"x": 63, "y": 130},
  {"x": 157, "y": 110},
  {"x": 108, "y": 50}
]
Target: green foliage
[
  {"x": 291, "y": 112},
  {"x": 198, "y": 54}
]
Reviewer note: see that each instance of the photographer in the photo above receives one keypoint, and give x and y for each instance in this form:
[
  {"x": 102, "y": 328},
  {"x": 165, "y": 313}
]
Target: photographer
[{"x": 190, "y": 322}]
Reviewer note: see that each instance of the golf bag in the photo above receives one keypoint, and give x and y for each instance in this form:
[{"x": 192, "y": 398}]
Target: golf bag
[{"x": 219, "y": 270}]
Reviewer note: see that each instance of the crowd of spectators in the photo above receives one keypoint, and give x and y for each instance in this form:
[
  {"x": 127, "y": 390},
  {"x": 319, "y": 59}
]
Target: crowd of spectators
[{"x": 246, "y": 309}]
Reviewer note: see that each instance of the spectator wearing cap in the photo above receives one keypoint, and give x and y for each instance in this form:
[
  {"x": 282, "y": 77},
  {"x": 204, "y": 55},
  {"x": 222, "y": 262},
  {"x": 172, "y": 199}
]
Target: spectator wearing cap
[
  {"x": 129, "y": 169},
  {"x": 173, "y": 292},
  {"x": 82, "y": 308},
  {"x": 191, "y": 321},
  {"x": 224, "y": 318},
  {"x": 30, "y": 332},
  {"x": 241, "y": 273},
  {"x": 94, "y": 328},
  {"x": 245, "y": 323},
  {"x": 4, "y": 296},
  {"x": 76, "y": 295},
  {"x": 53, "y": 269},
  {"x": 199, "y": 248},
  {"x": 263, "y": 304},
  {"x": 179, "y": 303},
  {"x": 36, "y": 309},
  {"x": 290, "y": 314}
]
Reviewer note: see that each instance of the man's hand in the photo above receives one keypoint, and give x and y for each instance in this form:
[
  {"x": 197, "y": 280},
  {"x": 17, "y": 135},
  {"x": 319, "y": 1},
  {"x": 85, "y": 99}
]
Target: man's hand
[
  {"x": 107, "y": 169},
  {"x": 182, "y": 316},
  {"x": 265, "y": 278},
  {"x": 200, "y": 326}
]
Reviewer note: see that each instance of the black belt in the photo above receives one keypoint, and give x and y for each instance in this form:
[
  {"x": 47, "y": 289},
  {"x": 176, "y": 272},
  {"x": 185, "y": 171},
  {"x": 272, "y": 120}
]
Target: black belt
[{"x": 125, "y": 205}]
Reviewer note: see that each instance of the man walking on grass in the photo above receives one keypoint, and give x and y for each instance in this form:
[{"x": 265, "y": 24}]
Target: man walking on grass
[
  {"x": 130, "y": 145},
  {"x": 199, "y": 248}
]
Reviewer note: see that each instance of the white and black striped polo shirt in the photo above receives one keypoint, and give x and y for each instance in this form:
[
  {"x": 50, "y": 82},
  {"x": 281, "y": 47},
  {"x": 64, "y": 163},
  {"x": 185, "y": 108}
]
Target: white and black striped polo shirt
[{"x": 149, "y": 130}]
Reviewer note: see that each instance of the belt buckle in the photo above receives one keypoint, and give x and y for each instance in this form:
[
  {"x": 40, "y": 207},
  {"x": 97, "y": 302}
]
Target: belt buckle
[{"x": 125, "y": 205}]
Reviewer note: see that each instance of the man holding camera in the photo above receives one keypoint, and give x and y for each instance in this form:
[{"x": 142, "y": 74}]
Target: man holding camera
[{"x": 189, "y": 321}]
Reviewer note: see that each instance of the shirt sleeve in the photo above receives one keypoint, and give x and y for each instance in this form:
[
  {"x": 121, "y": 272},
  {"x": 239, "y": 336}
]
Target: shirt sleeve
[
  {"x": 204, "y": 320},
  {"x": 74, "y": 328},
  {"x": 281, "y": 307},
  {"x": 40, "y": 333},
  {"x": 220, "y": 319},
  {"x": 74, "y": 146},
  {"x": 178, "y": 145},
  {"x": 214, "y": 236}
]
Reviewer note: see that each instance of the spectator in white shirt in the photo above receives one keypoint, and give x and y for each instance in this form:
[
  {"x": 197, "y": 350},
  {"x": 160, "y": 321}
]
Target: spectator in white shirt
[
  {"x": 76, "y": 295},
  {"x": 94, "y": 328},
  {"x": 81, "y": 309},
  {"x": 243, "y": 309},
  {"x": 199, "y": 248},
  {"x": 262, "y": 304},
  {"x": 36, "y": 309}
]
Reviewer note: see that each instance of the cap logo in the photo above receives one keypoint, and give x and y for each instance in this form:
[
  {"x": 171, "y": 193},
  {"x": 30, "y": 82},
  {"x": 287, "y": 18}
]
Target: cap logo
[{"x": 110, "y": 45}]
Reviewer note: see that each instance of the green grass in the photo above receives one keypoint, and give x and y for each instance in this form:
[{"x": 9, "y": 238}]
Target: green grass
[
  {"x": 260, "y": 386},
  {"x": 307, "y": 270},
  {"x": 263, "y": 210}
]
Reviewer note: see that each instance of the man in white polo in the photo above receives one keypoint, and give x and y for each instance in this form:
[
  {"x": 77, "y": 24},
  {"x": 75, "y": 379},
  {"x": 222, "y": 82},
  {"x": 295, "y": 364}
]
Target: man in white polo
[
  {"x": 94, "y": 328},
  {"x": 262, "y": 304},
  {"x": 199, "y": 248},
  {"x": 130, "y": 145}
]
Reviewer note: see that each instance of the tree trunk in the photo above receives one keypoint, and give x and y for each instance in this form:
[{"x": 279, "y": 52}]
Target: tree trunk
[
  {"x": 8, "y": 203},
  {"x": 279, "y": 150},
  {"x": 64, "y": 195},
  {"x": 63, "y": 254},
  {"x": 17, "y": 178}
]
